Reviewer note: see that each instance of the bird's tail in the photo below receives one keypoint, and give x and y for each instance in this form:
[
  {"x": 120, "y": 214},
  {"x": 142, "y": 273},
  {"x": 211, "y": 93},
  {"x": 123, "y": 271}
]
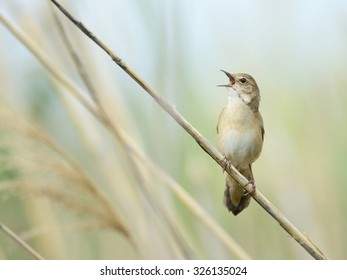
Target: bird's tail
[{"x": 235, "y": 197}]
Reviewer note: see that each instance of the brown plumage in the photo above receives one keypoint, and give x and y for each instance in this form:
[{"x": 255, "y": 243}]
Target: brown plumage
[{"x": 240, "y": 135}]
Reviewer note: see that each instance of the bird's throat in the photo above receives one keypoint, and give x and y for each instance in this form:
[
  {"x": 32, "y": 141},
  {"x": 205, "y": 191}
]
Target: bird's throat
[{"x": 234, "y": 95}]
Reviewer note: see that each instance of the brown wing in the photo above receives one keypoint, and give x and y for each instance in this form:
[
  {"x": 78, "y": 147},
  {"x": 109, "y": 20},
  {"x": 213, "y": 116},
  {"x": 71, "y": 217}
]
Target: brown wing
[{"x": 262, "y": 133}]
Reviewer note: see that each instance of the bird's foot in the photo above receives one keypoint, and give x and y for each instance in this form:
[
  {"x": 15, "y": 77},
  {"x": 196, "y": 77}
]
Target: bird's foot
[
  {"x": 227, "y": 163},
  {"x": 252, "y": 190}
]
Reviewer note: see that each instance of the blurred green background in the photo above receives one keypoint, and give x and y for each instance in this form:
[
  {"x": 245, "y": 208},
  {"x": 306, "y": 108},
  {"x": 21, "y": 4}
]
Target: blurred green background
[{"x": 296, "y": 51}]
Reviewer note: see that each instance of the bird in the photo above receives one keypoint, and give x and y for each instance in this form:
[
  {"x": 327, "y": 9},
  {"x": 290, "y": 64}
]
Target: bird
[{"x": 240, "y": 136}]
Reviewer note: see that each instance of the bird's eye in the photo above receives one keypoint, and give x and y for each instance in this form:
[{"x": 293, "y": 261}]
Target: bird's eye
[{"x": 243, "y": 80}]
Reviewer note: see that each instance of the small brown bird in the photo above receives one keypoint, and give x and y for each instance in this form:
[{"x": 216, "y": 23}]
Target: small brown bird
[{"x": 240, "y": 135}]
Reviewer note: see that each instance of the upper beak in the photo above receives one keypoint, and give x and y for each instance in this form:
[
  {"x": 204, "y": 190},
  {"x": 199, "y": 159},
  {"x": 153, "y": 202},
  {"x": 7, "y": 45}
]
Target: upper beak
[{"x": 231, "y": 78}]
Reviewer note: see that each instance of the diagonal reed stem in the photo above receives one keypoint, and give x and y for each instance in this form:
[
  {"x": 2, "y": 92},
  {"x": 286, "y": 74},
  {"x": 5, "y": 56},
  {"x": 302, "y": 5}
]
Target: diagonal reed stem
[
  {"x": 21, "y": 242},
  {"x": 311, "y": 248},
  {"x": 305, "y": 242}
]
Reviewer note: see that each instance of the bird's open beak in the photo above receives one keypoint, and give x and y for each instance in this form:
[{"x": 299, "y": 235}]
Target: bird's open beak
[{"x": 231, "y": 78}]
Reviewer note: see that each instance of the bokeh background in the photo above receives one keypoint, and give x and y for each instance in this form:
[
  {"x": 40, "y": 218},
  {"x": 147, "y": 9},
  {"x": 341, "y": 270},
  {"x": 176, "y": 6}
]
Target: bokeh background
[{"x": 297, "y": 52}]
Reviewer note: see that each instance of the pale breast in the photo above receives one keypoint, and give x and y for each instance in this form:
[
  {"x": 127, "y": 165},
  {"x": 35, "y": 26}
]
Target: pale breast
[{"x": 239, "y": 134}]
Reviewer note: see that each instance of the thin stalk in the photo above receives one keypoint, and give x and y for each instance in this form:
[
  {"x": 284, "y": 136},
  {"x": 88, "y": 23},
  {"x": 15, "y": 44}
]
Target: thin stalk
[
  {"x": 311, "y": 248},
  {"x": 21, "y": 242}
]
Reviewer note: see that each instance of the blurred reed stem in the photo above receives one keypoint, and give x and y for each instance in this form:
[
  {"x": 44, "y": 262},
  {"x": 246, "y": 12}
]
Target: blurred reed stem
[
  {"x": 21, "y": 242},
  {"x": 305, "y": 242}
]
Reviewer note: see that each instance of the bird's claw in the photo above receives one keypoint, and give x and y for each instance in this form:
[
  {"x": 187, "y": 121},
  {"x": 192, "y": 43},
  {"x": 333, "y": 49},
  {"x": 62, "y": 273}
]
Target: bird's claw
[{"x": 227, "y": 163}]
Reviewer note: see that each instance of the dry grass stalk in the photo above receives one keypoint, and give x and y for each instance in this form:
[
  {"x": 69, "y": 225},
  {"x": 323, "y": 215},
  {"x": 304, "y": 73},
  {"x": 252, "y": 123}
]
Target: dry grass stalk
[
  {"x": 21, "y": 242},
  {"x": 203, "y": 143},
  {"x": 153, "y": 201},
  {"x": 44, "y": 168}
]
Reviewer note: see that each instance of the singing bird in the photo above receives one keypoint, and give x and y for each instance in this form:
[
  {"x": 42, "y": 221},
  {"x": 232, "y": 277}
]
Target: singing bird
[{"x": 240, "y": 136}]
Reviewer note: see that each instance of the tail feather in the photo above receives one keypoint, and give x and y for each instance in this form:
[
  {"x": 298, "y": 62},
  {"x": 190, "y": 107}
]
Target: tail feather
[{"x": 235, "y": 198}]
